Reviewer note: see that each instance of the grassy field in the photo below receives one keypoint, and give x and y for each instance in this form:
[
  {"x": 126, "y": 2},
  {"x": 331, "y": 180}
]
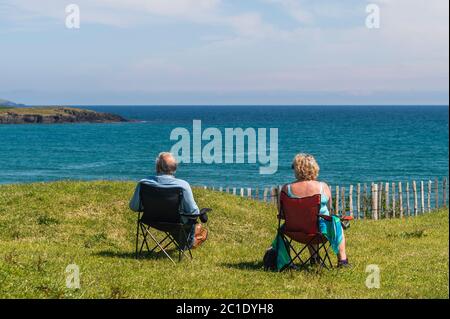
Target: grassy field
[{"x": 45, "y": 227}]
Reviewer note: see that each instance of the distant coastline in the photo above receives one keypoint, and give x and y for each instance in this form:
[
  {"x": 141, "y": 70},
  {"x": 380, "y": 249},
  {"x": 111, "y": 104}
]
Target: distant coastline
[{"x": 55, "y": 115}]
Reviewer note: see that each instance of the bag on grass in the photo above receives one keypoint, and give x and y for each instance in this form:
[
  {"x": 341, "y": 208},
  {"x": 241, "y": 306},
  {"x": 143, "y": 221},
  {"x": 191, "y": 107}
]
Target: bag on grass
[{"x": 270, "y": 259}]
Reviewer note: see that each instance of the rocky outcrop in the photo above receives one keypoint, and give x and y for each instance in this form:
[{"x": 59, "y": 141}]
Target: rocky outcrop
[{"x": 56, "y": 115}]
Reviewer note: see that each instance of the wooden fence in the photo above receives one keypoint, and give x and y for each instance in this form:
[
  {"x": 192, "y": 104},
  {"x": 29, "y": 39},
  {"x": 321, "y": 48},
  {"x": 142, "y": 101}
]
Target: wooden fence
[{"x": 375, "y": 201}]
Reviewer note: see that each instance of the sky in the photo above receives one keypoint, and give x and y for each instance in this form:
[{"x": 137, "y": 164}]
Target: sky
[{"x": 224, "y": 52}]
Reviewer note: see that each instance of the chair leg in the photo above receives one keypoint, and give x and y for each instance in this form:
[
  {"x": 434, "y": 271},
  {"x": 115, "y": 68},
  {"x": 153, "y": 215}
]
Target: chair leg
[
  {"x": 162, "y": 249},
  {"x": 137, "y": 239},
  {"x": 159, "y": 244},
  {"x": 297, "y": 255},
  {"x": 182, "y": 252},
  {"x": 327, "y": 256},
  {"x": 162, "y": 241},
  {"x": 144, "y": 240},
  {"x": 315, "y": 253},
  {"x": 308, "y": 245},
  {"x": 186, "y": 235}
]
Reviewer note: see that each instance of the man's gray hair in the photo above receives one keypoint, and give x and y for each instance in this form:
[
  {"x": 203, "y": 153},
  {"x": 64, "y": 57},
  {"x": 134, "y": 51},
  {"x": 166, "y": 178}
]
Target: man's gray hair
[{"x": 166, "y": 164}]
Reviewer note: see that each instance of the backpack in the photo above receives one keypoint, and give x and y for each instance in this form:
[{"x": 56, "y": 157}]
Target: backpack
[{"x": 270, "y": 259}]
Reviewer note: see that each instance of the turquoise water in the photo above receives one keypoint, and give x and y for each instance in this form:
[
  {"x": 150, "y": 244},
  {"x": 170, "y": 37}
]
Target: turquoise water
[{"x": 352, "y": 144}]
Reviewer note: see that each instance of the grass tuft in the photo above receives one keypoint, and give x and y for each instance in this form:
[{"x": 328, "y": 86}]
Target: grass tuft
[{"x": 47, "y": 220}]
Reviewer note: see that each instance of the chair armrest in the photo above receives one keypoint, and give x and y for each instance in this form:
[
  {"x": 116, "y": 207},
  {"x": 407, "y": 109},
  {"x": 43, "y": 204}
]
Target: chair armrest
[
  {"x": 193, "y": 217},
  {"x": 202, "y": 215},
  {"x": 342, "y": 218},
  {"x": 326, "y": 217},
  {"x": 205, "y": 210}
]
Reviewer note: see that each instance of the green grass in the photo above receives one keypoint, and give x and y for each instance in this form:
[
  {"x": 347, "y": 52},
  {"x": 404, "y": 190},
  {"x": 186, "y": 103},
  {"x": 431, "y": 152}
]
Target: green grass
[
  {"x": 45, "y": 227},
  {"x": 44, "y": 111}
]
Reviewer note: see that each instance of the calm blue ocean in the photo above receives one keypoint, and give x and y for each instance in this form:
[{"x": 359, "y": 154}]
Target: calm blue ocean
[{"x": 351, "y": 143}]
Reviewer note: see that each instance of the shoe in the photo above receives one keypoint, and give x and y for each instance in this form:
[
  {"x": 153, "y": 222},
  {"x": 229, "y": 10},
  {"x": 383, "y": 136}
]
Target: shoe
[
  {"x": 293, "y": 267},
  {"x": 345, "y": 225},
  {"x": 201, "y": 234},
  {"x": 314, "y": 261},
  {"x": 343, "y": 264}
]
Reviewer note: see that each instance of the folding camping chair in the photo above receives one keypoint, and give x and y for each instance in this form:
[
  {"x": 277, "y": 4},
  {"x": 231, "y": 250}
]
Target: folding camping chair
[
  {"x": 162, "y": 212},
  {"x": 301, "y": 216}
]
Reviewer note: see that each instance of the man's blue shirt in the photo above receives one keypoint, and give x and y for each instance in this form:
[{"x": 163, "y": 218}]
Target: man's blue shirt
[{"x": 188, "y": 204}]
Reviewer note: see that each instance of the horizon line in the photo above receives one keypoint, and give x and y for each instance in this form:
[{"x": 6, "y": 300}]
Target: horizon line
[{"x": 214, "y": 105}]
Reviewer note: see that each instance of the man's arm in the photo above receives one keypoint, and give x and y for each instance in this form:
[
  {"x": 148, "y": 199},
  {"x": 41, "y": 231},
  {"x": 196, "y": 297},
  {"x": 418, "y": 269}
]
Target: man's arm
[
  {"x": 189, "y": 205},
  {"x": 135, "y": 202}
]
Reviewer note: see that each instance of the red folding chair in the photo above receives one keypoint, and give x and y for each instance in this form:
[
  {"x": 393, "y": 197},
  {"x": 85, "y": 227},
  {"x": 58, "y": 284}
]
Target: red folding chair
[{"x": 301, "y": 216}]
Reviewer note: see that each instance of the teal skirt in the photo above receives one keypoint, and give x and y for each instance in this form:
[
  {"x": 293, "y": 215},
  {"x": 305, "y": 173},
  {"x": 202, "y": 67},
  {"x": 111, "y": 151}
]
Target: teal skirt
[{"x": 332, "y": 230}]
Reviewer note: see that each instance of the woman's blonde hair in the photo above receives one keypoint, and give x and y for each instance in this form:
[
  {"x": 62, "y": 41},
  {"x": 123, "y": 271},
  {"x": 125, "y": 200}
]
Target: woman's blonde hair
[{"x": 305, "y": 167}]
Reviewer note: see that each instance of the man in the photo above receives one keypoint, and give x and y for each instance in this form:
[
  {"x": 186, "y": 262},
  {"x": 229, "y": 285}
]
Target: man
[{"x": 166, "y": 167}]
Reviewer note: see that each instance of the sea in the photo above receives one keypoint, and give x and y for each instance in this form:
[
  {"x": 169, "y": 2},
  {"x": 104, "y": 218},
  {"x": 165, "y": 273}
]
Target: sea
[{"x": 352, "y": 144}]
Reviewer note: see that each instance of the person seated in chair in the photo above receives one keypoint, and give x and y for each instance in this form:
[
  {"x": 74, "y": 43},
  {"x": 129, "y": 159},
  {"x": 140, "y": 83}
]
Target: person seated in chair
[
  {"x": 306, "y": 172},
  {"x": 166, "y": 167}
]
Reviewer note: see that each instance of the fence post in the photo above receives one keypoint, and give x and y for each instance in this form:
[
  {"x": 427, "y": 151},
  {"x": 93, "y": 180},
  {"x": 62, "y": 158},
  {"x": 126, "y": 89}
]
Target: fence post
[
  {"x": 257, "y": 193},
  {"x": 336, "y": 198},
  {"x": 422, "y": 197},
  {"x": 394, "y": 207},
  {"x": 366, "y": 201},
  {"x": 266, "y": 191},
  {"x": 416, "y": 211},
  {"x": 375, "y": 201},
  {"x": 429, "y": 196},
  {"x": 350, "y": 200},
  {"x": 408, "y": 204},
  {"x": 358, "y": 200},
  {"x": 380, "y": 200},
  {"x": 400, "y": 198},
  {"x": 274, "y": 195},
  {"x": 234, "y": 191},
  {"x": 343, "y": 202},
  {"x": 444, "y": 189},
  {"x": 386, "y": 191},
  {"x": 242, "y": 192},
  {"x": 277, "y": 196},
  {"x": 436, "y": 193}
]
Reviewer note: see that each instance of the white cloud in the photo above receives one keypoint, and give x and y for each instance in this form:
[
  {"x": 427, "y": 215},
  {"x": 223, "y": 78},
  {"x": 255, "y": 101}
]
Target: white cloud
[
  {"x": 137, "y": 12},
  {"x": 295, "y": 8}
]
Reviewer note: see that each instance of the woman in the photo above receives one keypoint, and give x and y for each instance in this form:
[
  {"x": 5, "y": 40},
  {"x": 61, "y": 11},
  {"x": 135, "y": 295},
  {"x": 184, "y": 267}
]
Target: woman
[{"x": 306, "y": 172}]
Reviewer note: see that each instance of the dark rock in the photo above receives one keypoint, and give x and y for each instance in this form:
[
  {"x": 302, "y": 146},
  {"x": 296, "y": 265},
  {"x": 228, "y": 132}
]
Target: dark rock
[{"x": 56, "y": 115}]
